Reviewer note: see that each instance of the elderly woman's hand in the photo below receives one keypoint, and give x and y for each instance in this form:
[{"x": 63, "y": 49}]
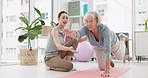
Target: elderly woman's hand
[
  {"x": 105, "y": 74},
  {"x": 69, "y": 33},
  {"x": 66, "y": 31}
]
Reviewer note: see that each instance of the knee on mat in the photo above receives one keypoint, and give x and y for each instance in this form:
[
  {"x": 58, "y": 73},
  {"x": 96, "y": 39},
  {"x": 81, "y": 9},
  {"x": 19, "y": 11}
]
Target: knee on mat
[
  {"x": 119, "y": 58},
  {"x": 123, "y": 37},
  {"x": 69, "y": 67}
]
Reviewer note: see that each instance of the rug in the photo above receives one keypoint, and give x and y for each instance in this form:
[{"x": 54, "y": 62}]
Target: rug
[{"x": 95, "y": 73}]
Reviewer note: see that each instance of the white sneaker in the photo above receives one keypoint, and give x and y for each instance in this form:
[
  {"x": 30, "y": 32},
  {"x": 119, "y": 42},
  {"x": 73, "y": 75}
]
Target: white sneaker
[
  {"x": 74, "y": 69},
  {"x": 48, "y": 68},
  {"x": 123, "y": 36}
]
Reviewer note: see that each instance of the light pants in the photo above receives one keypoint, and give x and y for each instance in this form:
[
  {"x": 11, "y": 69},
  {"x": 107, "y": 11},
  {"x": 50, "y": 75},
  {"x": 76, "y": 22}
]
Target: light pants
[{"x": 118, "y": 51}]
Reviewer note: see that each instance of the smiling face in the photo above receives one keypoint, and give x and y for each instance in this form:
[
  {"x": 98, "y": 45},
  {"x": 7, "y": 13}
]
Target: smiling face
[
  {"x": 63, "y": 19},
  {"x": 90, "y": 22}
]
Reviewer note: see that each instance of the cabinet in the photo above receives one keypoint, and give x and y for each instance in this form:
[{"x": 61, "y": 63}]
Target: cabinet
[
  {"x": 76, "y": 10},
  {"x": 141, "y": 13},
  {"x": 75, "y": 22},
  {"x": 101, "y": 6},
  {"x": 141, "y": 43}
]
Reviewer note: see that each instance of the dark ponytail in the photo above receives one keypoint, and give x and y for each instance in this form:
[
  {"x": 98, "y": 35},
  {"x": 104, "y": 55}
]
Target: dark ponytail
[{"x": 57, "y": 24}]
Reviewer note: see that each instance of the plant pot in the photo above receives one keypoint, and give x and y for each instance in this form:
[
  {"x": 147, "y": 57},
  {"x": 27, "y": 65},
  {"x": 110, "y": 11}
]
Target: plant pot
[
  {"x": 45, "y": 30},
  {"x": 28, "y": 57}
]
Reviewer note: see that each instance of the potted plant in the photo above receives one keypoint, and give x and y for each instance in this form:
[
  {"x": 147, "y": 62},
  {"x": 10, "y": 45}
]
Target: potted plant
[
  {"x": 46, "y": 29},
  {"x": 31, "y": 31}
]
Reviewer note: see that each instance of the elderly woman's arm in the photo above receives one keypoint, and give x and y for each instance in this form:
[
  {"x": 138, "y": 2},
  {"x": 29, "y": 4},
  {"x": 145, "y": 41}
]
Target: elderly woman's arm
[{"x": 69, "y": 33}]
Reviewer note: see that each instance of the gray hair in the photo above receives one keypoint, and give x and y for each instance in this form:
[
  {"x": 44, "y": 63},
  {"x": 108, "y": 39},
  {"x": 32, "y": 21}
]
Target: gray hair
[{"x": 94, "y": 14}]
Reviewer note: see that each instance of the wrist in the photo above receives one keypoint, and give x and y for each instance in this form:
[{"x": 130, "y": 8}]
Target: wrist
[
  {"x": 107, "y": 66},
  {"x": 107, "y": 71},
  {"x": 68, "y": 48}
]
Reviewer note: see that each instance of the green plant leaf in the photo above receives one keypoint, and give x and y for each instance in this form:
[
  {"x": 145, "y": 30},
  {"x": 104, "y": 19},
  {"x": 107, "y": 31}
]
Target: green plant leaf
[
  {"x": 42, "y": 22},
  {"x": 22, "y": 14},
  {"x": 34, "y": 21},
  {"x": 38, "y": 27},
  {"x": 24, "y": 20},
  {"x": 28, "y": 28},
  {"x": 38, "y": 11},
  {"x": 21, "y": 28},
  {"x": 37, "y": 31},
  {"x": 32, "y": 29},
  {"x": 33, "y": 34},
  {"x": 21, "y": 38}
]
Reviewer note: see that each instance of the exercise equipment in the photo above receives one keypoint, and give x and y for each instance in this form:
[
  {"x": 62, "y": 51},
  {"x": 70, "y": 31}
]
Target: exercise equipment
[{"x": 85, "y": 51}]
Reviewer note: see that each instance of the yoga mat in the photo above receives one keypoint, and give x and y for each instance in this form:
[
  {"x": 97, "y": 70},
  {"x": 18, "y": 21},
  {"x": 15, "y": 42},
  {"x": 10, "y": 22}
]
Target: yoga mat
[{"x": 95, "y": 73}]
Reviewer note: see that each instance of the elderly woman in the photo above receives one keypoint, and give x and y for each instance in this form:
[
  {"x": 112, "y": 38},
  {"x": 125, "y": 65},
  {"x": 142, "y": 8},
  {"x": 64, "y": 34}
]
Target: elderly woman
[{"x": 103, "y": 40}]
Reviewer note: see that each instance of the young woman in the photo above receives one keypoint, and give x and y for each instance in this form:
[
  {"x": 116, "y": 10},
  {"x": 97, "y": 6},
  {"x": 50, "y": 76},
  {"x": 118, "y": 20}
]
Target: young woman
[
  {"x": 59, "y": 51},
  {"x": 103, "y": 40}
]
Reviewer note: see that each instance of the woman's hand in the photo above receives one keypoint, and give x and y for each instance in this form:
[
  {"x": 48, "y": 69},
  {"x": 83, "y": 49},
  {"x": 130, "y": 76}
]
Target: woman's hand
[
  {"x": 107, "y": 65},
  {"x": 105, "y": 74},
  {"x": 72, "y": 50},
  {"x": 66, "y": 31},
  {"x": 69, "y": 33}
]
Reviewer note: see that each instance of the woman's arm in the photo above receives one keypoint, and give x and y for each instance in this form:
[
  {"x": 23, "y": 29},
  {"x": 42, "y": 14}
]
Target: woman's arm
[
  {"x": 107, "y": 65},
  {"x": 76, "y": 34},
  {"x": 107, "y": 70},
  {"x": 69, "y": 33},
  {"x": 54, "y": 34},
  {"x": 107, "y": 50},
  {"x": 84, "y": 38}
]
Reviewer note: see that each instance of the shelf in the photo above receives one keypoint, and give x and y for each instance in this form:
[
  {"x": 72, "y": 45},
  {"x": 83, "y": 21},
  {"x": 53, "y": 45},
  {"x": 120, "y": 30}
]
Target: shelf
[
  {"x": 102, "y": 8},
  {"x": 101, "y": 3},
  {"x": 76, "y": 10},
  {"x": 75, "y": 16}
]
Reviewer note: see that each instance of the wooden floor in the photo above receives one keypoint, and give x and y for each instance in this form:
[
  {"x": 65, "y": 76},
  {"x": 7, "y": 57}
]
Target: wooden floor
[{"x": 138, "y": 70}]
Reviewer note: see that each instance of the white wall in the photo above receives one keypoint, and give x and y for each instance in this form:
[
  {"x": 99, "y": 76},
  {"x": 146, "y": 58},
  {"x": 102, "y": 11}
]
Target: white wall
[
  {"x": 45, "y": 7},
  {"x": 0, "y": 30},
  {"x": 119, "y": 16},
  {"x": 59, "y": 5}
]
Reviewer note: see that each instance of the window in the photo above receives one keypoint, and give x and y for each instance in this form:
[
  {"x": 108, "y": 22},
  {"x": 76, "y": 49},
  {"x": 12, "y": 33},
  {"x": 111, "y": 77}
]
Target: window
[
  {"x": 10, "y": 34},
  {"x": 101, "y": 12},
  {"x": 11, "y": 18},
  {"x": 24, "y": 2},
  {"x": 11, "y": 10},
  {"x": 45, "y": 6},
  {"x": 10, "y": 2},
  {"x": 25, "y": 14},
  {"x": 44, "y": 16},
  {"x": 10, "y": 50}
]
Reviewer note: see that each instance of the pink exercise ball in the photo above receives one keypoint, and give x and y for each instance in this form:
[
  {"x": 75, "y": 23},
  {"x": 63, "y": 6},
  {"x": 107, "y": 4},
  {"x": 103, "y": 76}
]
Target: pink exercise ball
[{"x": 85, "y": 51}]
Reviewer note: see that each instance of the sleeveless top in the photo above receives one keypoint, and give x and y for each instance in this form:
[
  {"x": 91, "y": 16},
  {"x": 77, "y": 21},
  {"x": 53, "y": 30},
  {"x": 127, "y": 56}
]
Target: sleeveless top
[{"x": 51, "y": 48}]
